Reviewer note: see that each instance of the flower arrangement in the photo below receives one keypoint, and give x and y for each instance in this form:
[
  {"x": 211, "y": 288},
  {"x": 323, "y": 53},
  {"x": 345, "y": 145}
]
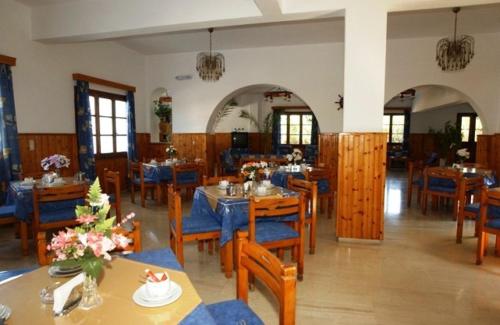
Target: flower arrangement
[
  {"x": 171, "y": 151},
  {"x": 463, "y": 154},
  {"x": 295, "y": 157},
  {"x": 57, "y": 160},
  {"x": 89, "y": 244},
  {"x": 248, "y": 170}
]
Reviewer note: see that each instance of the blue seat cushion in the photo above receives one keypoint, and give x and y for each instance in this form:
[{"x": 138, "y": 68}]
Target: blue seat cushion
[
  {"x": 493, "y": 223},
  {"x": 442, "y": 189},
  {"x": 163, "y": 257},
  {"x": 474, "y": 207},
  {"x": 273, "y": 231},
  {"x": 7, "y": 211},
  {"x": 147, "y": 180},
  {"x": 323, "y": 186},
  {"x": 187, "y": 178},
  {"x": 57, "y": 215},
  {"x": 233, "y": 312},
  {"x": 195, "y": 225}
]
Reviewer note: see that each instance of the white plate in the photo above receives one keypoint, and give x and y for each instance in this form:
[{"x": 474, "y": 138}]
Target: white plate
[
  {"x": 140, "y": 297},
  {"x": 5, "y": 312}
]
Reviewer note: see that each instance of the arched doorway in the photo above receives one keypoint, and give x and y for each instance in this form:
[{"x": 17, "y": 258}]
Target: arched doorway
[{"x": 273, "y": 118}]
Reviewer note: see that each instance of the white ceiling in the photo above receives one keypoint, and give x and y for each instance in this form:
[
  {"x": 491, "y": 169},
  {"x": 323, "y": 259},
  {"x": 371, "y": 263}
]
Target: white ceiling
[
  {"x": 34, "y": 3},
  {"x": 429, "y": 23}
]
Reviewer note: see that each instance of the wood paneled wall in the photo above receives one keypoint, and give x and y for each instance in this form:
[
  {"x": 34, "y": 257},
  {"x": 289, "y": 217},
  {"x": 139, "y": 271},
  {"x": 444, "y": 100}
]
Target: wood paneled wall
[
  {"x": 361, "y": 183},
  {"x": 117, "y": 164},
  {"x": 488, "y": 151},
  {"x": 328, "y": 153},
  {"x": 45, "y": 145},
  {"x": 421, "y": 145}
]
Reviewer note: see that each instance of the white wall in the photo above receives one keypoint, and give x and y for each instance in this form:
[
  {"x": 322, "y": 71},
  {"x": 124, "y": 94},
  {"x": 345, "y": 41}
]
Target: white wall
[
  {"x": 436, "y": 118},
  {"x": 313, "y": 72},
  {"x": 43, "y": 85}
]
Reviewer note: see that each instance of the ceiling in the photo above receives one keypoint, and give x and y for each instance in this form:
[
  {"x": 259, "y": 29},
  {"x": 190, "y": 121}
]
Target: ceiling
[
  {"x": 429, "y": 23},
  {"x": 33, "y": 3}
]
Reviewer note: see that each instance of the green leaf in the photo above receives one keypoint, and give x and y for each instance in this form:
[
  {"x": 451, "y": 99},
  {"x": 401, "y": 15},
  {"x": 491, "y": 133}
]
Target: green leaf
[
  {"x": 94, "y": 195},
  {"x": 105, "y": 224},
  {"x": 246, "y": 115},
  {"x": 67, "y": 263},
  {"x": 81, "y": 210},
  {"x": 92, "y": 266}
]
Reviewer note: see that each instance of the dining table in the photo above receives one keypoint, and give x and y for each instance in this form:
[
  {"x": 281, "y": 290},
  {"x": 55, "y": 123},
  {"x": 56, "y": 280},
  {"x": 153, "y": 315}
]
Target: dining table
[
  {"x": 163, "y": 171},
  {"x": 117, "y": 285}
]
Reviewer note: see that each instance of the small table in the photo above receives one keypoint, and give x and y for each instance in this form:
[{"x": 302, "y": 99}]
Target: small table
[{"x": 116, "y": 288}]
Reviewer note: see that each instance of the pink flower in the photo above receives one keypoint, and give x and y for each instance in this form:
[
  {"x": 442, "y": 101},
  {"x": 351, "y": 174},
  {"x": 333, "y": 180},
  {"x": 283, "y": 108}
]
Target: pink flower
[
  {"x": 119, "y": 240},
  {"x": 86, "y": 218}
]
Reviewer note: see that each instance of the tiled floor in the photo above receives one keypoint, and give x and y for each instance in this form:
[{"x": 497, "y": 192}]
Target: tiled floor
[{"x": 417, "y": 275}]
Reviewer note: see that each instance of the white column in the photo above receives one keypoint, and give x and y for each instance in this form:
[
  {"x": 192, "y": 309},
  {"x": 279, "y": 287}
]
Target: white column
[{"x": 364, "y": 66}]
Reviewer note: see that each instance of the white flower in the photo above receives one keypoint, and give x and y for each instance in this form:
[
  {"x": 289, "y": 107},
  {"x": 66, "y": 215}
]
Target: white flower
[
  {"x": 104, "y": 200},
  {"x": 464, "y": 153},
  {"x": 289, "y": 157}
]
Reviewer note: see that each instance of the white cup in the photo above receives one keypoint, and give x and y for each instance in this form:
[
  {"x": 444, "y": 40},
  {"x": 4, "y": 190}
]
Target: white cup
[
  {"x": 223, "y": 183},
  {"x": 158, "y": 289}
]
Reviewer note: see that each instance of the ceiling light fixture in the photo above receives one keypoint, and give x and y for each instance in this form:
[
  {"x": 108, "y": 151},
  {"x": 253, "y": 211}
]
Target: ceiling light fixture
[
  {"x": 277, "y": 93},
  {"x": 210, "y": 66},
  {"x": 455, "y": 54}
]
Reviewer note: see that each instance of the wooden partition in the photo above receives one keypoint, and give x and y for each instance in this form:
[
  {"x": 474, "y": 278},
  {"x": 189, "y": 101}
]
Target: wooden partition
[
  {"x": 361, "y": 183},
  {"x": 328, "y": 153},
  {"x": 44, "y": 145}
]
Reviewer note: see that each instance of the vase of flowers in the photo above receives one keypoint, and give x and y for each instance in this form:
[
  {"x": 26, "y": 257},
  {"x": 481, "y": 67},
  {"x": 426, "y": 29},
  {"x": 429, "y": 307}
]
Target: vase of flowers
[
  {"x": 295, "y": 157},
  {"x": 57, "y": 161},
  {"x": 462, "y": 155},
  {"x": 171, "y": 152},
  {"x": 250, "y": 169},
  {"x": 88, "y": 245}
]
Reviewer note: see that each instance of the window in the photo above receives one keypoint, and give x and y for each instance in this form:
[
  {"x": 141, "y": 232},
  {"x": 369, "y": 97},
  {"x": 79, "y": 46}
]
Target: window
[
  {"x": 394, "y": 126},
  {"x": 296, "y": 128},
  {"x": 109, "y": 122},
  {"x": 470, "y": 125}
]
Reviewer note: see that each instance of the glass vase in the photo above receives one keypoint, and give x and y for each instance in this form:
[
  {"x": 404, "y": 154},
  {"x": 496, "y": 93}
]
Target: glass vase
[
  {"x": 90, "y": 295},
  {"x": 58, "y": 172}
]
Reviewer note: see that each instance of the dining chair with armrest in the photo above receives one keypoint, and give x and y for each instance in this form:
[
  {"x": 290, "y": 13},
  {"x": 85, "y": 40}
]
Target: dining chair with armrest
[
  {"x": 137, "y": 180},
  {"x": 415, "y": 180},
  {"x": 470, "y": 187},
  {"x": 489, "y": 222},
  {"x": 280, "y": 279},
  {"x": 326, "y": 190},
  {"x": 441, "y": 182}
]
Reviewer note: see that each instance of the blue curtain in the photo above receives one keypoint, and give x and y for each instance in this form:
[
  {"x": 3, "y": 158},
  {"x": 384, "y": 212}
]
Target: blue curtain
[
  {"x": 10, "y": 162},
  {"x": 132, "y": 152},
  {"x": 276, "y": 131},
  {"x": 314, "y": 132},
  {"x": 84, "y": 129}
]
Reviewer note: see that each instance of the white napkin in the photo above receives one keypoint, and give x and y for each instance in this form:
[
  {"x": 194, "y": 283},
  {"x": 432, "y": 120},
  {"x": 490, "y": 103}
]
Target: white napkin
[{"x": 62, "y": 293}]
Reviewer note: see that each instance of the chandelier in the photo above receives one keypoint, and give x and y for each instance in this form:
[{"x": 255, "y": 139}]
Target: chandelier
[
  {"x": 277, "y": 93},
  {"x": 210, "y": 66},
  {"x": 455, "y": 54}
]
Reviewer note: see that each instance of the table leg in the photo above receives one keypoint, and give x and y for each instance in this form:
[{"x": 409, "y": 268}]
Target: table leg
[
  {"x": 228, "y": 259},
  {"x": 24, "y": 238}
]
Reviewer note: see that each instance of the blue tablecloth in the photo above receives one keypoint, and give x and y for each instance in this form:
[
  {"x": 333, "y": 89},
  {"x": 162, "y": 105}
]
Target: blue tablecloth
[
  {"x": 232, "y": 214},
  {"x": 160, "y": 173},
  {"x": 280, "y": 178}
]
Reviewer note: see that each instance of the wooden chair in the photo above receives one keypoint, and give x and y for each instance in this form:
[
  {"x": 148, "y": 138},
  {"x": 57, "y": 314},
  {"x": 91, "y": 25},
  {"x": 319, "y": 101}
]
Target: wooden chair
[
  {"x": 134, "y": 245},
  {"x": 441, "y": 182},
  {"x": 137, "y": 180},
  {"x": 66, "y": 197},
  {"x": 415, "y": 179},
  {"x": 187, "y": 229},
  {"x": 310, "y": 191},
  {"x": 276, "y": 234},
  {"x": 326, "y": 189},
  {"x": 489, "y": 222},
  {"x": 210, "y": 181},
  {"x": 280, "y": 279},
  {"x": 8, "y": 217},
  {"x": 112, "y": 188},
  {"x": 186, "y": 176},
  {"x": 469, "y": 186}
]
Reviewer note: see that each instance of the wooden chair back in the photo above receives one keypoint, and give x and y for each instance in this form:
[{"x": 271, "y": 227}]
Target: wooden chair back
[
  {"x": 470, "y": 185},
  {"x": 210, "y": 181},
  {"x": 112, "y": 186},
  {"x": 415, "y": 170},
  {"x": 442, "y": 173},
  {"x": 175, "y": 209},
  {"x": 186, "y": 168},
  {"x": 274, "y": 207},
  {"x": 134, "y": 171},
  {"x": 310, "y": 191},
  {"x": 317, "y": 174},
  {"x": 280, "y": 279},
  {"x": 45, "y": 257},
  {"x": 488, "y": 198}
]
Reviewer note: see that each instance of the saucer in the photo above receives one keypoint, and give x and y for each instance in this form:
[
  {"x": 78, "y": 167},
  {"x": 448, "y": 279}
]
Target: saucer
[{"x": 141, "y": 298}]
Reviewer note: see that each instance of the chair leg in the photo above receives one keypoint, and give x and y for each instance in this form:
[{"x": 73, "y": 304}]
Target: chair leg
[
  {"x": 312, "y": 238},
  {"x": 409, "y": 194},
  {"x": 322, "y": 205},
  {"x": 179, "y": 245},
  {"x": 24, "y": 238},
  {"x": 280, "y": 253},
  {"x": 455, "y": 209},
  {"x": 132, "y": 193},
  {"x": 211, "y": 247},
  {"x": 497, "y": 245},
  {"x": 485, "y": 244},
  {"x": 201, "y": 245},
  {"x": 460, "y": 227},
  {"x": 300, "y": 262},
  {"x": 480, "y": 248}
]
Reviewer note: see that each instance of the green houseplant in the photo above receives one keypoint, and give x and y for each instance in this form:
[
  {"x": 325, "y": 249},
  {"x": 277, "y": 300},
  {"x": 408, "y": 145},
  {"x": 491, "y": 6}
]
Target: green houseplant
[
  {"x": 162, "y": 110},
  {"x": 448, "y": 140}
]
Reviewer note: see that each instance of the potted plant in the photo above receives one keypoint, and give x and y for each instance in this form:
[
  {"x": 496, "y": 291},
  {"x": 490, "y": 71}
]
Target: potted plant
[
  {"x": 448, "y": 140},
  {"x": 163, "y": 109}
]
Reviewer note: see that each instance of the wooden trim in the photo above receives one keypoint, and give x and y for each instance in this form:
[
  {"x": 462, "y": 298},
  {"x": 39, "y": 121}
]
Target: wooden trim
[
  {"x": 9, "y": 60},
  {"x": 103, "y": 82}
]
